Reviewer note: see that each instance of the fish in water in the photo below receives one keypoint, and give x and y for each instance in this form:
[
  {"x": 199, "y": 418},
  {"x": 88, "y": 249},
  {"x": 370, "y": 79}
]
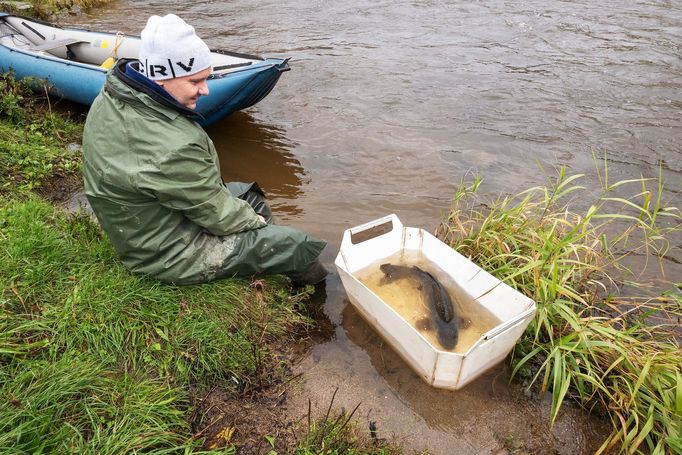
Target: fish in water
[{"x": 437, "y": 299}]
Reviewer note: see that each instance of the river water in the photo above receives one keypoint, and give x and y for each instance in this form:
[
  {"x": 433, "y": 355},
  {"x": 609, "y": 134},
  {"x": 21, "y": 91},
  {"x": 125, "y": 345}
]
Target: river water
[{"x": 389, "y": 104}]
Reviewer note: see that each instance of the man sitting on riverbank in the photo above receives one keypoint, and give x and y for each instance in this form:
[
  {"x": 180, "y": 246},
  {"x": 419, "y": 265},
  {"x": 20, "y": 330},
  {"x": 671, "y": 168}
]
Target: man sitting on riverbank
[{"x": 151, "y": 175}]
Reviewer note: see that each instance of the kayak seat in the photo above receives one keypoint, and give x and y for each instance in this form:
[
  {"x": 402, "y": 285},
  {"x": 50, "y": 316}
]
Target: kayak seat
[{"x": 54, "y": 44}]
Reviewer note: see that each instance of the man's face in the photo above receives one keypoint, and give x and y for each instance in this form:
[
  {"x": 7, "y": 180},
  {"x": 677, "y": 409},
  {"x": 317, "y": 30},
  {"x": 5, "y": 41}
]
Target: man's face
[{"x": 187, "y": 89}]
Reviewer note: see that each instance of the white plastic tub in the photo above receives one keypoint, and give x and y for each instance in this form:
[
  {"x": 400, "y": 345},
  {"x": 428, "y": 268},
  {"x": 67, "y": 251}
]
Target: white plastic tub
[{"x": 368, "y": 244}]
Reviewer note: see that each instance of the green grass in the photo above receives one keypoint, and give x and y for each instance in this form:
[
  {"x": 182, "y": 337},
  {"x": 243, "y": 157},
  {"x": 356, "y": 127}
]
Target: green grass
[
  {"x": 33, "y": 140},
  {"x": 612, "y": 353},
  {"x": 95, "y": 360},
  {"x": 338, "y": 434},
  {"x": 75, "y": 405},
  {"x": 65, "y": 288}
]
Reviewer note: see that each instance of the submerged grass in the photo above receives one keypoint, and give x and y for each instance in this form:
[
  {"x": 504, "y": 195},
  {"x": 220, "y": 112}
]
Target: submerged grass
[
  {"x": 612, "y": 353},
  {"x": 95, "y": 360}
]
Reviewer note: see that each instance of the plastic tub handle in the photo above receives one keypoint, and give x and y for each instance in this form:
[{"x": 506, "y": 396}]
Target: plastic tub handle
[
  {"x": 501, "y": 328},
  {"x": 371, "y": 230}
]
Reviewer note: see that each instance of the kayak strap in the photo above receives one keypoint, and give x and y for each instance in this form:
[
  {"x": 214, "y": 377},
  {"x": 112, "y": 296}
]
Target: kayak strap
[{"x": 109, "y": 62}]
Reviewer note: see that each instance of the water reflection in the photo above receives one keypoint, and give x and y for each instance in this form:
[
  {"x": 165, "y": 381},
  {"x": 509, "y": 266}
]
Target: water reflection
[{"x": 251, "y": 150}]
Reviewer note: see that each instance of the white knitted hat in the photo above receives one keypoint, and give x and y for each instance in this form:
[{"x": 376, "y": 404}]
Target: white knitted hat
[{"x": 171, "y": 49}]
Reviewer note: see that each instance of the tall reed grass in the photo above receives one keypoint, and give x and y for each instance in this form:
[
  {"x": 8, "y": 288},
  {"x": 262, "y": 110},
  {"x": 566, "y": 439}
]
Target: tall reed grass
[{"x": 613, "y": 353}]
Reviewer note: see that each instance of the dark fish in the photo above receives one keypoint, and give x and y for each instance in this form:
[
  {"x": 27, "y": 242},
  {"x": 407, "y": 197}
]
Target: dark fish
[
  {"x": 448, "y": 333},
  {"x": 436, "y": 296}
]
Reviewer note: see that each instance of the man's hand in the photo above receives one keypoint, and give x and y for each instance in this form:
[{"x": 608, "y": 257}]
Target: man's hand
[{"x": 261, "y": 219}]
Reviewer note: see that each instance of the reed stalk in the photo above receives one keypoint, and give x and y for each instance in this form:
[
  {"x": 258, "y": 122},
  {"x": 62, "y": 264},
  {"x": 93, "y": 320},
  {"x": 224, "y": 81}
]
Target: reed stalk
[{"x": 589, "y": 341}]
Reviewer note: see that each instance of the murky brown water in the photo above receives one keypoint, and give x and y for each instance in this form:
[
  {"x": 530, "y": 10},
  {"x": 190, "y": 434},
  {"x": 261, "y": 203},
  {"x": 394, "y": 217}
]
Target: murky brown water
[{"x": 390, "y": 103}]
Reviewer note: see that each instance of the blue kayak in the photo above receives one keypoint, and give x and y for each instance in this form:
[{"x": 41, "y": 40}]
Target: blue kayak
[{"x": 75, "y": 63}]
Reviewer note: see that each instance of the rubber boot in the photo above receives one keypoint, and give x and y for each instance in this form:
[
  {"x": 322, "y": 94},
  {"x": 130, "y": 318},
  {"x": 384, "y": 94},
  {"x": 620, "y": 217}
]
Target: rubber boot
[
  {"x": 251, "y": 193},
  {"x": 315, "y": 274}
]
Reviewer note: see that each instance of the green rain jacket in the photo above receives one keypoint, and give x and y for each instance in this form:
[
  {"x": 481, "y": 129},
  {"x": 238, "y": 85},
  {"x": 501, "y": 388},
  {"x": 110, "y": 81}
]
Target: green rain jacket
[{"x": 151, "y": 175}]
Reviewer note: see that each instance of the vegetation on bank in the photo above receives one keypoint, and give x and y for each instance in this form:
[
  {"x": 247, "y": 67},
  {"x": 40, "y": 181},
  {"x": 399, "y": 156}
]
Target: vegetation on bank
[
  {"x": 95, "y": 360},
  {"x": 45, "y": 9},
  {"x": 337, "y": 434},
  {"x": 36, "y": 145},
  {"x": 613, "y": 353}
]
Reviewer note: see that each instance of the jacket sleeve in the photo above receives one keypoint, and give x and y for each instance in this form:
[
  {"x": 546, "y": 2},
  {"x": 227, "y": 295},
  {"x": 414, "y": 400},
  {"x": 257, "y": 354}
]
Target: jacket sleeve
[{"x": 187, "y": 180}]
